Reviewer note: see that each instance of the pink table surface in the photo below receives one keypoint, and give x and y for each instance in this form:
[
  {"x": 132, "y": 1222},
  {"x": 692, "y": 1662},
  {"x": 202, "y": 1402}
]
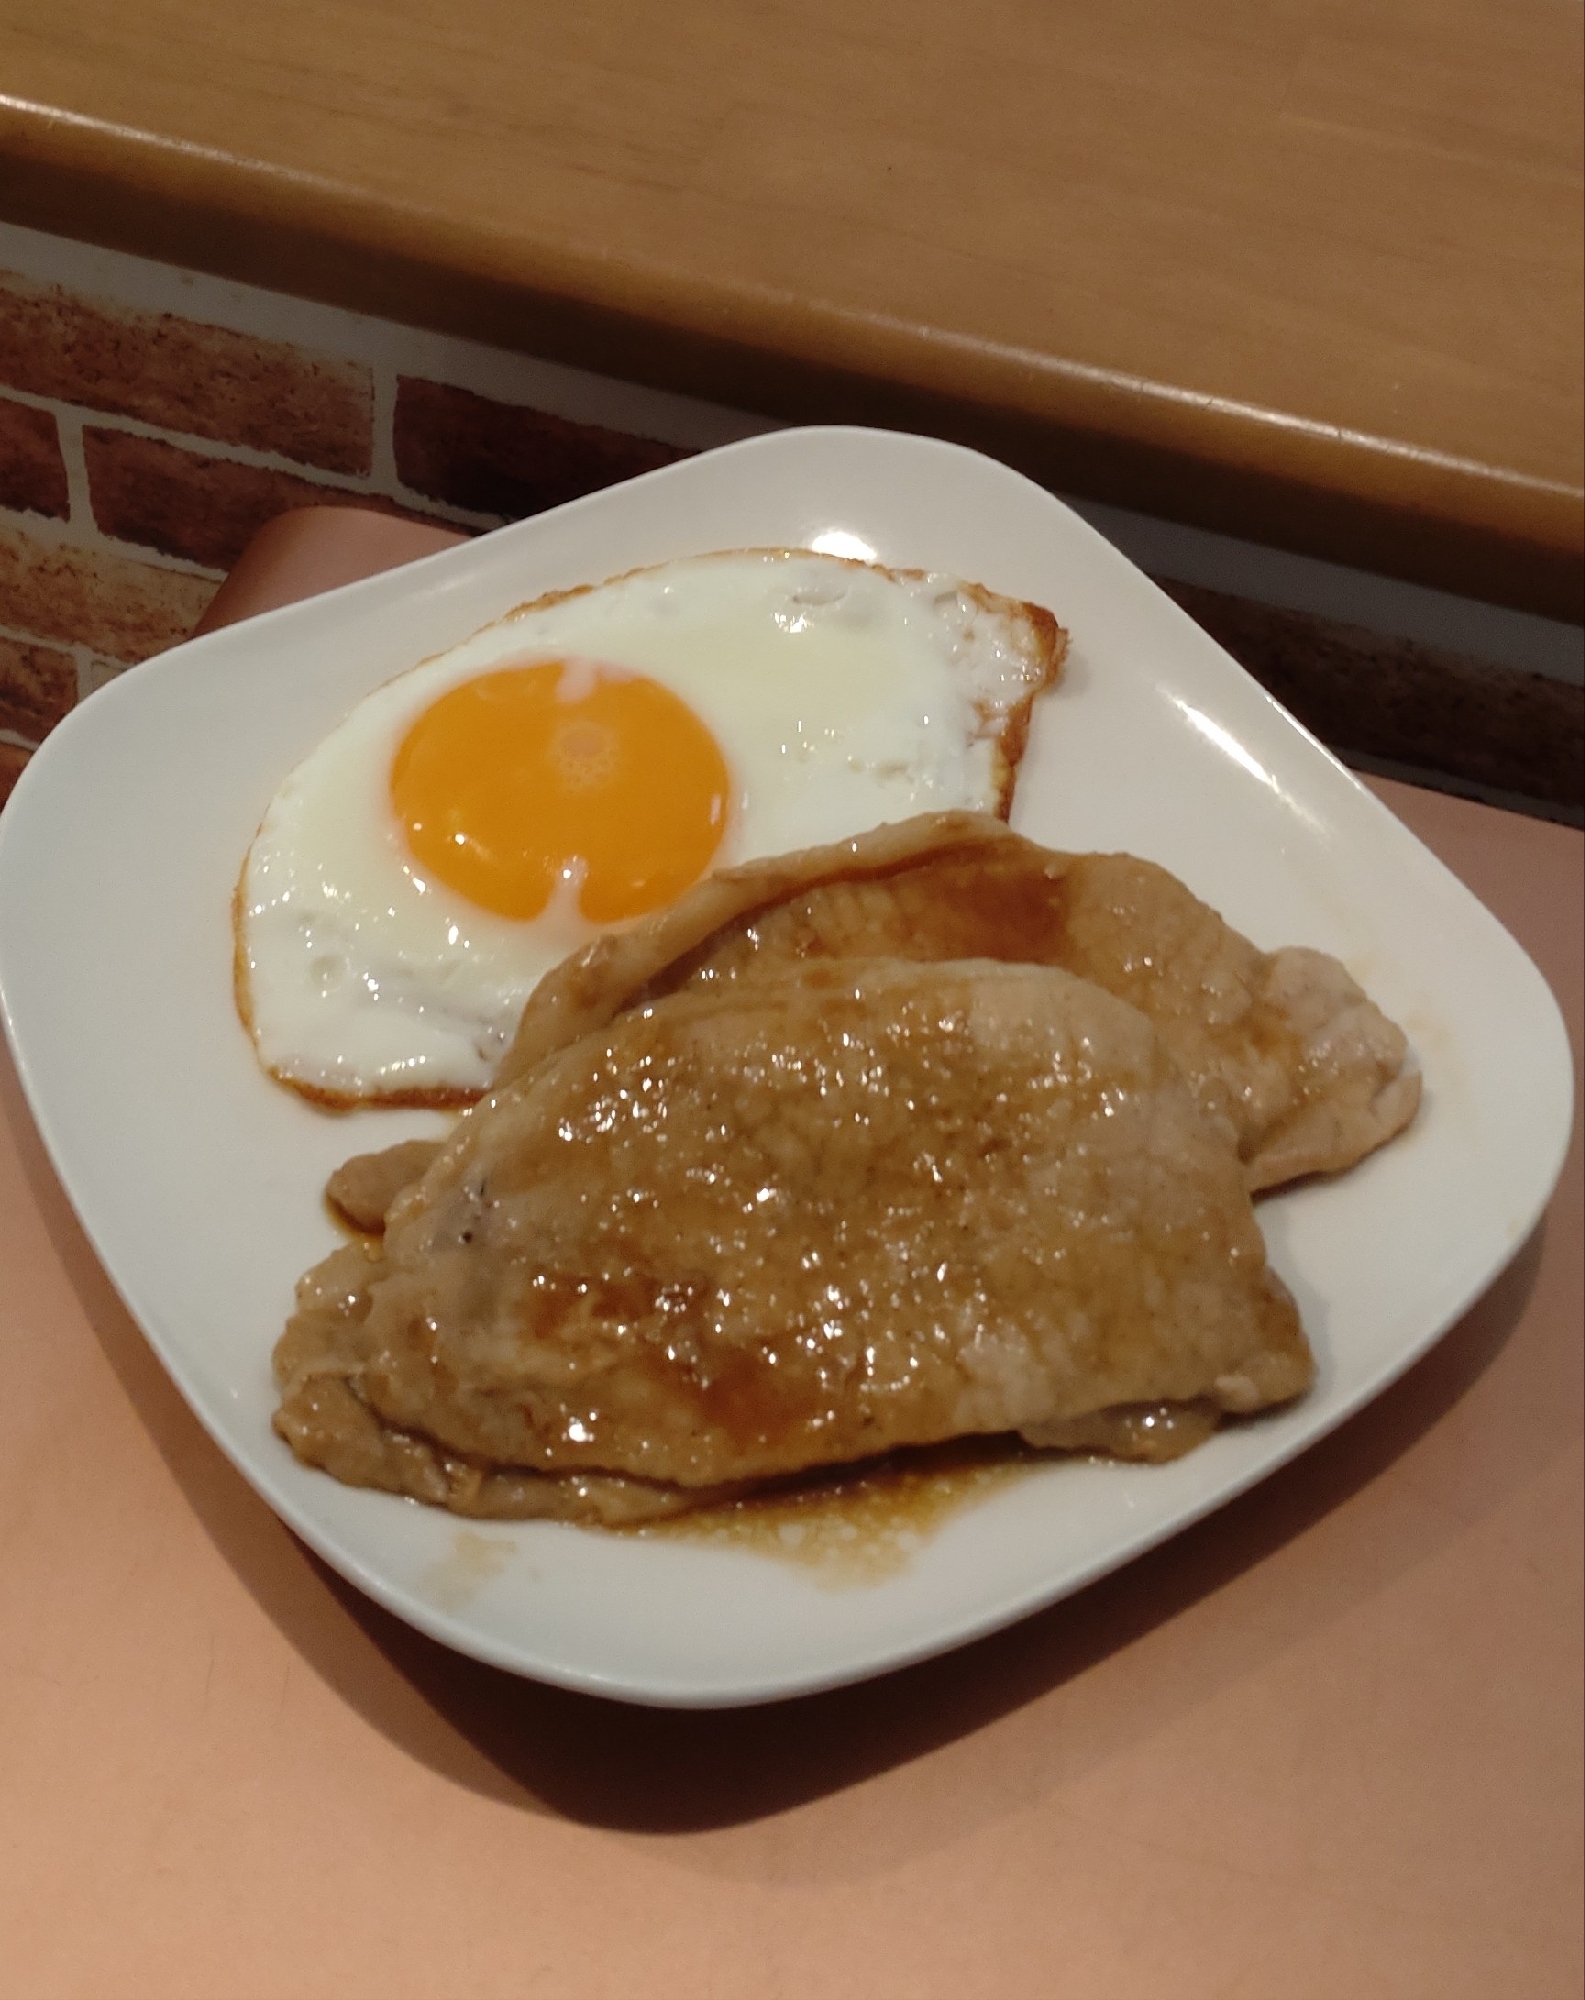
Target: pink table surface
[{"x": 1326, "y": 1743}]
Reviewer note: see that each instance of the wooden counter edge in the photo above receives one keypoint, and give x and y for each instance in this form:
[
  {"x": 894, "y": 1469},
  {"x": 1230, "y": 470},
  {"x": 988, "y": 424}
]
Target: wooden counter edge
[{"x": 1374, "y": 503}]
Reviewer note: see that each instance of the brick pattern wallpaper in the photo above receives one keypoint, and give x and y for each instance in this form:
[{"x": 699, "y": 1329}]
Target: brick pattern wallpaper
[
  {"x": 141, "y": 450},
  {"x": 205, "y": 380},
  {"x": 1409, "y": 710},
  {"x": 453, "y": 445}
]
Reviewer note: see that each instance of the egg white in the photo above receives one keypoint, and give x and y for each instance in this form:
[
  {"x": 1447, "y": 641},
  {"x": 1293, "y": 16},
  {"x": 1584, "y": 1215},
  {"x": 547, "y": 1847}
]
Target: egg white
[{"x": 840, "y": 695}]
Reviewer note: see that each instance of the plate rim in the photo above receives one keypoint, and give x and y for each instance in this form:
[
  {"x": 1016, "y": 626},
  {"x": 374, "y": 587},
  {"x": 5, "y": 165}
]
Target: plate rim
[{"x": 37, "y": 783}]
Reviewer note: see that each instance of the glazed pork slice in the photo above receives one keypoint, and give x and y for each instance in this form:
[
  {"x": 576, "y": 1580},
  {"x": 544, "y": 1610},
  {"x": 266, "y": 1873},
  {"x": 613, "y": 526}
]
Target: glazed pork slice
[
  {"x": 1308, "y": 1071},
  {"x": 735, "y": 1235},
  {"x": 328, "y": 1423}
]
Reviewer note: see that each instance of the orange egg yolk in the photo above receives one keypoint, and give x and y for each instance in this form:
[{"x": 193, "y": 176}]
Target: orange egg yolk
[{"x": 529, "y": 776}]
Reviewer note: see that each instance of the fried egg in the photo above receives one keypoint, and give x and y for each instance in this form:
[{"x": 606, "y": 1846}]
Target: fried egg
[{"x": 582, "y": 762}]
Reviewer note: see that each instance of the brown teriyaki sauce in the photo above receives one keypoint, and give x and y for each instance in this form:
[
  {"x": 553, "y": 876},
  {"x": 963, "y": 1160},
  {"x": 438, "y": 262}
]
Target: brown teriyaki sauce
[{"x": 857, "y": 1524}]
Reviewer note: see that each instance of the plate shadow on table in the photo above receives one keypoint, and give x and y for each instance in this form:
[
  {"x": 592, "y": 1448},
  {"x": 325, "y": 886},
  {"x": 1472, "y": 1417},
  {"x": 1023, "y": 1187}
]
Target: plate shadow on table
[
  {"x": 655, "y": 1771},
  {"x": 658, "y": 1771}
]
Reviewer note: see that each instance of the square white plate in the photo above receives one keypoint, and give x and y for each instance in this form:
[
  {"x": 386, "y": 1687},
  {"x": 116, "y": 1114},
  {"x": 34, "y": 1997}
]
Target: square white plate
[{"x": 199, "y": 1181}]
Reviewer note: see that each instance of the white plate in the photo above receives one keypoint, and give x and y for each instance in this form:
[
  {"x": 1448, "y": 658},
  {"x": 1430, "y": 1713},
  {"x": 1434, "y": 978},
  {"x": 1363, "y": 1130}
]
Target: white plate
[{"x": 199, "y": 1182}]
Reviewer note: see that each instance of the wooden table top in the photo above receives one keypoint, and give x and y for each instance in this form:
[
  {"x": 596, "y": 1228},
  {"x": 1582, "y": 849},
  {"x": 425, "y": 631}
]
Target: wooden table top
[
  {"x": 1309, "y": 272},
  {"x": 1326, "y": 1742}
]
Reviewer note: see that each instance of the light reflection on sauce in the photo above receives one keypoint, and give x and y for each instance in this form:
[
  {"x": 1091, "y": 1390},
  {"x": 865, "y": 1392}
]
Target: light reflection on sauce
[
  {"x": 858, "y": 1524},
  {"x": 861, "y": 1524}
]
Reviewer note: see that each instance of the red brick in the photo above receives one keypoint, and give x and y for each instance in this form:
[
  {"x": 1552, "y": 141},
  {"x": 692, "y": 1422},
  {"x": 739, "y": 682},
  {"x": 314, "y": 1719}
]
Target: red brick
[
  {"x": 185, "y": 503},
  {"x": 121, "y": 608},
  {"x": 1372, "y": 696},
  {"x": 186, "y": 376},
  {"x": 12, "y": 761},
  {"x": 32, "y": 471},
  {"x": 498, "y": 458},
  {"x": 38, "y": 685}
]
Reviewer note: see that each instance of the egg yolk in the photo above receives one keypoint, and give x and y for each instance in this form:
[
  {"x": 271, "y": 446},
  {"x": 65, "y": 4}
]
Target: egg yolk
[{"x": 529, "y": 776}]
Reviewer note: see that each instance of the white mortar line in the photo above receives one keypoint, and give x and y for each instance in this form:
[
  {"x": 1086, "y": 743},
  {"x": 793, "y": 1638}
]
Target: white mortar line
[
  {"x": 68, "y": 425},
  {"x": 83, "y": 657},
  {"x": 383, "y": 468}
]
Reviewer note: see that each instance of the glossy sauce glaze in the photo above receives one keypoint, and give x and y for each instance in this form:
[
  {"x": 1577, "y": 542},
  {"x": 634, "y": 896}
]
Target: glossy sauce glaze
[{"x": 859, "y": 1524}]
